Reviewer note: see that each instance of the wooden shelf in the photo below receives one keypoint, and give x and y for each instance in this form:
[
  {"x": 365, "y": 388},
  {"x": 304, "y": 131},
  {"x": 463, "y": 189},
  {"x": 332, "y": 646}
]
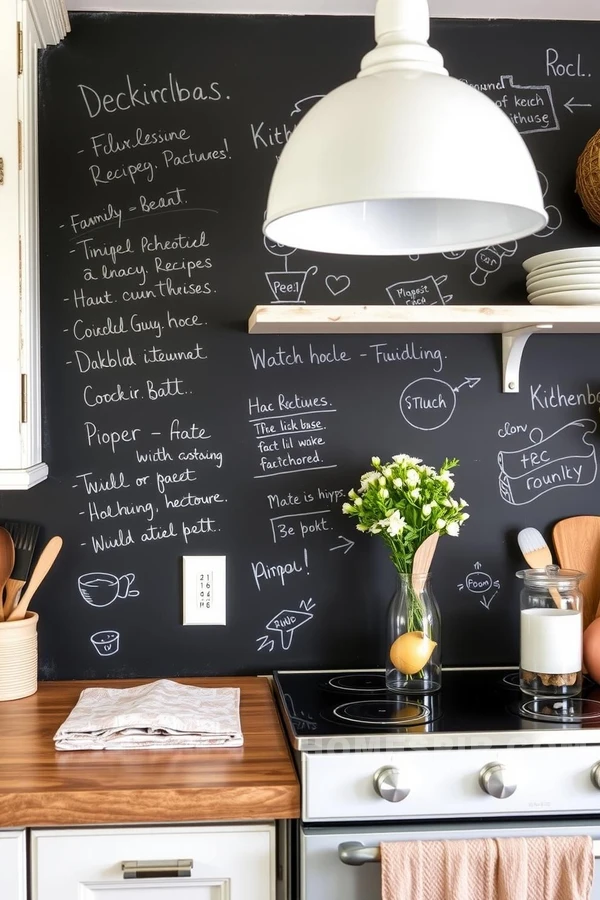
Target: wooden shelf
[
  {"x": 420, "y": 319},
  {"x": 515, "y": 323}
]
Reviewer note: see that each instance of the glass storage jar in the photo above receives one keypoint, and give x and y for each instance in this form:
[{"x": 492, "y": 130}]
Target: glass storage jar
[{"x": 551, "y": 632}]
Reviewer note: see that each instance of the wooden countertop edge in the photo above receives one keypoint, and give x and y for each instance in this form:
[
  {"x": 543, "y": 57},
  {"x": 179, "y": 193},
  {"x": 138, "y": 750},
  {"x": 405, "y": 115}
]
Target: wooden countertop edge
[
  {"x": 40, "y": 787},
  {"x": 145, "y": 807}
]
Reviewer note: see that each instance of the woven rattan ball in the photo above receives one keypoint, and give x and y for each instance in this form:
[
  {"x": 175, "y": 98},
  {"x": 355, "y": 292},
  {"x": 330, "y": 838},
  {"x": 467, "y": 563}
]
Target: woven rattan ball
[{"x": 587, "y": 181}]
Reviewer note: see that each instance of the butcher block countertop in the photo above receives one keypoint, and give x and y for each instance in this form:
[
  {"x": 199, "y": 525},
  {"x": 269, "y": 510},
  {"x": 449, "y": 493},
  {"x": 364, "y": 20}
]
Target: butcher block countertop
[{"x": 41, "y": 786}]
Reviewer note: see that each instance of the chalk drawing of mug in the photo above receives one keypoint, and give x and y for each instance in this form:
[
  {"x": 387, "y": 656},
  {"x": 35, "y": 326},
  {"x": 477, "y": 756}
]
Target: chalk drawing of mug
[
  {"x": 102, "y": 588},
  {"x": 419, "y": 292},
  {"x": 287, "y": 287},
  {"x": 106, "y": 643}
]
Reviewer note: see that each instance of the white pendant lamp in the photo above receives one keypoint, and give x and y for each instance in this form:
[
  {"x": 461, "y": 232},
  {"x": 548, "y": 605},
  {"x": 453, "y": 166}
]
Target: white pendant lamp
[{"x": 404, "y": 159}]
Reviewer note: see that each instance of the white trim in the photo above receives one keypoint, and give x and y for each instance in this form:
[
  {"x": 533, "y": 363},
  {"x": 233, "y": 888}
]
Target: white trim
[
  {"x": 22, "y": 479},
  {"x": 476, "y": 9},
  {"x": 51, "y": 20}
]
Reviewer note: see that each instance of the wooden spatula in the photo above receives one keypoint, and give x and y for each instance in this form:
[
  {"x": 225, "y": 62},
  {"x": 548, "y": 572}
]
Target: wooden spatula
[
  {"x": 422, "y": 559},
  {"x": 41, "y": 569},
  {"x": 577, "y": 543}
]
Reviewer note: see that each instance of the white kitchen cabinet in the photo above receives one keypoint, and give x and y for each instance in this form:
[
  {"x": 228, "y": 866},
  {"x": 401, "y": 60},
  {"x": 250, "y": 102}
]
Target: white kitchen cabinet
[
  {"x": 12, "y": 865},
  {"x": 26, "y": 26},
  {"x": 229, "y": 862}
]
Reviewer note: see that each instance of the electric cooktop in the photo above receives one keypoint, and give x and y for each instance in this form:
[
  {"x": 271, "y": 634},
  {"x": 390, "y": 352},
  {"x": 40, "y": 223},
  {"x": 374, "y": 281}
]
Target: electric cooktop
[{"x": 329, "y": 710}]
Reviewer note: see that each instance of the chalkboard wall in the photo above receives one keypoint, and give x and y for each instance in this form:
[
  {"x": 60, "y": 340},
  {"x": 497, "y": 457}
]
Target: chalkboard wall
[{"x": 158, "y": 138}]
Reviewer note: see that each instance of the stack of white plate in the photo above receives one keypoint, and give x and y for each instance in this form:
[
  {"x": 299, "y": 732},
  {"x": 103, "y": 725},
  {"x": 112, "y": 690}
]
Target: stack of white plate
[{"x": 564, "y": 277}]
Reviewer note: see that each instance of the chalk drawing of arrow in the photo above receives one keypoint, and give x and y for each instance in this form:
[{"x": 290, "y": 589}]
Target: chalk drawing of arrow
[
  {"x": 468, "y": 382},
  {"x": 347, "y": 544},
  {"x": 307, "y": 604},
  {"x": 486, "y": 602},
  {"x": 569, "y": 105},
  {"x": 286, "y": 622},
  {"x": 267, "y": 642}
]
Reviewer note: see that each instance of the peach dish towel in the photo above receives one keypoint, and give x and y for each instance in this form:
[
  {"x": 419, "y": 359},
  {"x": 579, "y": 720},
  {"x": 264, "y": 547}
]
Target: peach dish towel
[
  {"x": 161, "y": 715},
  {"x": 539, "y": 868}
]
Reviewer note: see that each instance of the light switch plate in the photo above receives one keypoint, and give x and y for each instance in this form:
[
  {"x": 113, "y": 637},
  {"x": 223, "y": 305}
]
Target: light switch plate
[{"x": 204, "y": 590}]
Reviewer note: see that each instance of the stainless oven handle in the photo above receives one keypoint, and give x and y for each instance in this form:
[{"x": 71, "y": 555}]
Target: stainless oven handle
[{"x": 353, "y": 853}]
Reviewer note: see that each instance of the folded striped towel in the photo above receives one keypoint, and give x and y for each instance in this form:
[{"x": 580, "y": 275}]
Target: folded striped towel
[{"x": 160, "y": 715}]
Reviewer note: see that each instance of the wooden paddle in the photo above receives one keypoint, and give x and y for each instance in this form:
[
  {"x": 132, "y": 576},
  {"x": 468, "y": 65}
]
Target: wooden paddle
[
  {"x": 577, "y": 544},
  {"x": 422, "y": 560}
]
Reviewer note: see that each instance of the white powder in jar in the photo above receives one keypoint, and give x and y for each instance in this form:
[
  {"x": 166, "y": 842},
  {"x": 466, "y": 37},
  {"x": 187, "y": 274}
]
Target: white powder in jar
[{"x": 551, "y": 640}]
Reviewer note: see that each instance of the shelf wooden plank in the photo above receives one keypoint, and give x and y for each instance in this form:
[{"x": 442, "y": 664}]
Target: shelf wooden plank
[{"x": 421, "y": 320}]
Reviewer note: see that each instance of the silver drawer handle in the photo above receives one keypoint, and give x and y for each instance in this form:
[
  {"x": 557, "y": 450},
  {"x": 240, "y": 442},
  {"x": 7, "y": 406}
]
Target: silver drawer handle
[
  {"x": 353, "y": 853},
  {"x": 157, "y": 868}
]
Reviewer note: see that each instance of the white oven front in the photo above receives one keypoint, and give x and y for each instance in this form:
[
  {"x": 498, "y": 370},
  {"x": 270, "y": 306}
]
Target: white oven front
[{"x": 323, "y": 875}]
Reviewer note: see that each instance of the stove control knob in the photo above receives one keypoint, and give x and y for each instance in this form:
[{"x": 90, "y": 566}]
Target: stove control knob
[
  {"x": 595, "y": 775},
  {"x": 388, "y": 784},
  {"x": 496, "y": 781}
]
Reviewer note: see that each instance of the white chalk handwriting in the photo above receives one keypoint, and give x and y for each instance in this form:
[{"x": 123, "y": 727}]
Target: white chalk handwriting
[
  {"x": 429, "y": 403},
  {"x": 565, "y": 458}
]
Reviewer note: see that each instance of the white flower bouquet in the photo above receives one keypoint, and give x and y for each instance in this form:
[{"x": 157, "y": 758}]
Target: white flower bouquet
[{"x": 405, "y": 501}]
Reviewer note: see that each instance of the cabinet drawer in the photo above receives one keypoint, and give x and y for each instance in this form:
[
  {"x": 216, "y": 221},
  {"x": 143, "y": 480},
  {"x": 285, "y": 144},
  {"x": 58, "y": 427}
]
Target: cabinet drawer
[
  {"x": 12, "y": 865},
  {"x": 228, "y": 863}
]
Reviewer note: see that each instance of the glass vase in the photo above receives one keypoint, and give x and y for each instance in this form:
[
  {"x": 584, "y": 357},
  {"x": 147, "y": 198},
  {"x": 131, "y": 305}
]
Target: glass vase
[{"x": 413, "y": 663}]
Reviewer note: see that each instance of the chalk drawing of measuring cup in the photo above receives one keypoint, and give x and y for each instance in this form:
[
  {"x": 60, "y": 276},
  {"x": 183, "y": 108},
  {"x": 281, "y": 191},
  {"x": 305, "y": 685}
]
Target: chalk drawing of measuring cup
[
  {"x": 106, "y": 643},
  {"x": 102, "y": 588}
]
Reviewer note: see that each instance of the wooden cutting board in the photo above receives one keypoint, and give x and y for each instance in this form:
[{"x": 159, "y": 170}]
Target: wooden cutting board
[{"x": 577, "y": 545}]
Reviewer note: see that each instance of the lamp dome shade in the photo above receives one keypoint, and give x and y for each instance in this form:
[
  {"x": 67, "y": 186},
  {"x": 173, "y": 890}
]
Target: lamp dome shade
[{"x": 403, "y": 161}]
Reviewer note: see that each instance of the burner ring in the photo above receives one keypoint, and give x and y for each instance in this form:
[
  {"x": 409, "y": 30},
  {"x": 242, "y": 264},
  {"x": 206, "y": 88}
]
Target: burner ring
[
  {"x": 566, "y": 711},
  {"x": 513, "y": 680},
  {"x": 367, "y": 683},
  {"x": 392, "y": 713}
]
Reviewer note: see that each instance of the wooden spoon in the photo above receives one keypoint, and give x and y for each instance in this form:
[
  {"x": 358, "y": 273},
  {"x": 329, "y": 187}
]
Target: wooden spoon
[
  {"x": 577, "y": 542},
  {"x": 7, "y": 561},
  {"x": 41, "y": 569},
  {"x": 537, "y": 555},
  {"x": 422, "y": 560}
]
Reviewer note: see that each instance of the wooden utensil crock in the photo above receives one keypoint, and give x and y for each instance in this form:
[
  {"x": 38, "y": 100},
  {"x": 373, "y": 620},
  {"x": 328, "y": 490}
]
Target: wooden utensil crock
[{"x": 18, "y": 657}]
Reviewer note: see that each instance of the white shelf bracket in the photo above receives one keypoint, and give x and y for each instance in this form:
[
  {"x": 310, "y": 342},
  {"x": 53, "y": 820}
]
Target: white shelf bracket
[{"x": 513, "y": 344}]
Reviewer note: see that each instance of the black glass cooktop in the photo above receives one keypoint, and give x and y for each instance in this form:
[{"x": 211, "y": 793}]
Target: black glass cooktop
[{"x": 476, "y": 707}]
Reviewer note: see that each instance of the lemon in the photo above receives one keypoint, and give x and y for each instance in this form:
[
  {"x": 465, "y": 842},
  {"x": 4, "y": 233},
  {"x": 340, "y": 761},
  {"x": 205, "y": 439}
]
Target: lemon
[{"x": 411, "y": 651}]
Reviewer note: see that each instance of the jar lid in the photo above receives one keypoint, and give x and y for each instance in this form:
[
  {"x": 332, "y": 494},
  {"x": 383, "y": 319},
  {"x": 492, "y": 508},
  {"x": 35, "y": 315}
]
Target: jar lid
[{"x": 551, "y": 577}]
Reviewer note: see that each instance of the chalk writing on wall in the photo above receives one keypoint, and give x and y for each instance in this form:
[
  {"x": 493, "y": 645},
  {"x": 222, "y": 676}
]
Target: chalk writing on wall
[
  {"x": 429, "y": 403},
  {"x": 565, "y": 458}
]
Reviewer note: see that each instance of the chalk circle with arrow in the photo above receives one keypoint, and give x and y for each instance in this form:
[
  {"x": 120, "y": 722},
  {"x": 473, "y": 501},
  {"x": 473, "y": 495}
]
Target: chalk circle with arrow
[
  {"x": 480, "y": 583},
  {"x": 429, "y": 403}
]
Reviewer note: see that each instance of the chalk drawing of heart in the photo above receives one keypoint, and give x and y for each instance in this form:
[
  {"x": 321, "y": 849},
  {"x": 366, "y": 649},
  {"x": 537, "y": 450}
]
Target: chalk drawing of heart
[{"x": 337, "y": 284}]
